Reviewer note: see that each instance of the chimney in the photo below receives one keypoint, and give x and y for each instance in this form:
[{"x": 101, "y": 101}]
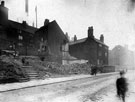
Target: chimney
[
  {"x": 67, "y": 36},
  {"x": 3, "y": 3},
  {"x": 102, "y": 38},
  {"x": 90, "y": 32},
  {"x": 46, "y": 22},
  {"x": 75, "y": 38},
  {"x": 24, "y": 23},
  {"x": 33, "y": 24},
  {"x": 3, "y": 13}
]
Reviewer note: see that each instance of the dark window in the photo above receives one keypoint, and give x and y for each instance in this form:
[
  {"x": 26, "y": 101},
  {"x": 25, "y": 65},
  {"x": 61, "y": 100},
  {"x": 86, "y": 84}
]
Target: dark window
[{"x": 60, "y": 48}]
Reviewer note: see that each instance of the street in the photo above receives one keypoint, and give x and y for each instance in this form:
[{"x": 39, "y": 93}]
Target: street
[{"x": 85, "y": 90}]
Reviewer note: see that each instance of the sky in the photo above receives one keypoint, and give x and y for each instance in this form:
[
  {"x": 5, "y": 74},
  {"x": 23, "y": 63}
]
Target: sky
[{"x": 115, "y": 19}]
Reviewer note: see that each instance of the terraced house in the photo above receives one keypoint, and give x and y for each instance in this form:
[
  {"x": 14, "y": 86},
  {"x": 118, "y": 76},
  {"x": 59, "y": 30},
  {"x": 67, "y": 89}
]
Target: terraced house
[
  {"x": 48, "y": 41},
  {"x": 15, "y": 36}
]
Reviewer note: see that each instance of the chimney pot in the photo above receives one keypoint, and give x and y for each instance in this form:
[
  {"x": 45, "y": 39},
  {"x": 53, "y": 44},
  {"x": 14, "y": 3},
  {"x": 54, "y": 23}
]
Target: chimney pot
[
  {"x": 3, "y": 3},
  {"x": 90, "y": 32},
  {"x": 102, "y": 38},
  {"x": 46, "y": 22},
  {"x": 75, "y": 38},
  {"x": 24, "y": 23}
]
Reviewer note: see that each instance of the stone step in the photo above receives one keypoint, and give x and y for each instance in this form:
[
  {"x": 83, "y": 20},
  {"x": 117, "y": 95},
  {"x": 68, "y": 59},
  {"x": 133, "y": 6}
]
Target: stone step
[
  {"x": 31, "y": 73},
  {"x": 24, "y": 79}
]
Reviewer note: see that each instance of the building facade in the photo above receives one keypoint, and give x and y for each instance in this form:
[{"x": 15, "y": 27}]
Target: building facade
[
  {"x": 50, "y": 41},
  {"x": 15, "y": 36},
  {"x": 121, "y": 57},
  {"x": 91, "y": 49}
]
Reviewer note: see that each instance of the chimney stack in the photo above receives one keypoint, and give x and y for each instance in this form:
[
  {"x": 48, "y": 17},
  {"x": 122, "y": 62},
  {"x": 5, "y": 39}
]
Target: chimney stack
[
  {"x": 3, "y": 13},
  {"x": 46, "y": 22},
  {"x": 75, "y": 38},
  {"x": 3, "y": 3},
  {"x": 90, "y": 32},
  {"x": 24, "y": 23},
  {"x": 102, "y": 38}
]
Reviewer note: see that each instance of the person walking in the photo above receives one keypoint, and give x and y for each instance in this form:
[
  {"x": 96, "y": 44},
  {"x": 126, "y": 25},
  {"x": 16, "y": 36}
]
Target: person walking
[{"x": 122, "y": 86}]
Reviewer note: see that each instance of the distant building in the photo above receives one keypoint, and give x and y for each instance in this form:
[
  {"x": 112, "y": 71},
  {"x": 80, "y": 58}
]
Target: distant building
[
  {"x": 13, "y": 35},
  {"x": 121, "y": 57},
  {"x": 51, "y": 42},
  {"x": 90, "y": 48}
]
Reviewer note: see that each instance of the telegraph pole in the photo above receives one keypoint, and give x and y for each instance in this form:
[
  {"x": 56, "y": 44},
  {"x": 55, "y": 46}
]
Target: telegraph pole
[{"x": 36, "y": 15}]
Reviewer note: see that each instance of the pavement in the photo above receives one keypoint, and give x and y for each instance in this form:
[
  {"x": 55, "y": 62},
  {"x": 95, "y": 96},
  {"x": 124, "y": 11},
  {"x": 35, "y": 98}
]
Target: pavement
[{"x": 34, "y": 83}]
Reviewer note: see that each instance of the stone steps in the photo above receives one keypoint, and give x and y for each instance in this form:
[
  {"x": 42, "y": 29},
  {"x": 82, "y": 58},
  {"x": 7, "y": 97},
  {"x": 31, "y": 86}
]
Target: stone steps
[{"x": 31, "y": 73}]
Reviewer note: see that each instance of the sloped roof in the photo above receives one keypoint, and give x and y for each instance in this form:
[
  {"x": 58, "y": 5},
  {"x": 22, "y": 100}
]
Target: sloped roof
[
  {"x": 84, "y": 39},
  {"x": 100, "y": 42},
  {"x": 78, "y": 41},
  {"x": 53, "y": 23},
  {"x": 20, "y": 26}
]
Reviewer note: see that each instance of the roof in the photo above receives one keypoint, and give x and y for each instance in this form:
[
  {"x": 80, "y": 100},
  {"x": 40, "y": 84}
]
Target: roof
[
  {"x": 20, "y": 26},
  {"x": 84, "y": 39},
  {"x": 100, "y": 42},
  {"x": 54, "y": 23},
  {"x": 78, "y": 41}
]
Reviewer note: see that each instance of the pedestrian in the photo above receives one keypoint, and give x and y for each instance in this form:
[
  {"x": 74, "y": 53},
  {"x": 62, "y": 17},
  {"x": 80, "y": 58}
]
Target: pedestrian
[
  {"x": 23, "y": 60},
  {"x": 122, "y": 86},
  {"x": 94, "y": 70}
]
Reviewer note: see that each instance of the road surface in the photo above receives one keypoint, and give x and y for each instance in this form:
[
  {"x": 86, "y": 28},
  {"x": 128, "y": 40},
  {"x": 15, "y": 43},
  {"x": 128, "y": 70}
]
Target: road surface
[{"x": 95, "y": 89}]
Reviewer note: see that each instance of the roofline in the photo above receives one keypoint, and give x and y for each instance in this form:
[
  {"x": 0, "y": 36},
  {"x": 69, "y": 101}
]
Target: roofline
[{"x": 84, "y": 39}]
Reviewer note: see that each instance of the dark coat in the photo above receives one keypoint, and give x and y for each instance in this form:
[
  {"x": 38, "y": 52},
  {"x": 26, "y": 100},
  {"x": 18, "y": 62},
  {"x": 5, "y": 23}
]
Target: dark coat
[{"x": 122, "y": 86}]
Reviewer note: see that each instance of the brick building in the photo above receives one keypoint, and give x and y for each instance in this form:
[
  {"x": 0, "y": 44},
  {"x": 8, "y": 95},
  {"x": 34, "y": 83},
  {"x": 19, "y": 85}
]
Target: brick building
[
  {"x": 15, "y": 36},
  {"x": 50, "y": 41},
  {"x": 90, "y": 48}
]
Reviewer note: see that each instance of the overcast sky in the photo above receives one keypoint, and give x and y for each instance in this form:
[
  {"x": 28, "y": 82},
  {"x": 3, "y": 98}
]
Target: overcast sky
[{"x": 113, "y": 18}]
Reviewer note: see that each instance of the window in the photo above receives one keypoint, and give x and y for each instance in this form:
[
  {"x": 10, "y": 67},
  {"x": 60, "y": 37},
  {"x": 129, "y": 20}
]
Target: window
[
  {"x": 98, "y": 61},
  {"x": 42, "y": 39},
  {"x": 20, "y": 37},
  {"x": 44, "y": 48},
  {"x": 61, "y": 48},
  {"x": 20, "y": 44},
  {"x": 100, "y": 45},
  {"x": 105, "y": 54}
]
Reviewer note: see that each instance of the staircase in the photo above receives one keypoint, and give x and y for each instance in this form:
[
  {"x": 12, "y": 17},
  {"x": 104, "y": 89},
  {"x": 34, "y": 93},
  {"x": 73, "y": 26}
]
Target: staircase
[{"x": 30, "y": 73}]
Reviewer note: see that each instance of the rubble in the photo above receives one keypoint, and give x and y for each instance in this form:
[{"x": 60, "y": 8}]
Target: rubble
[
  {"x": 53, "y": 68},
  {"x": 10, "y": 70},
  {"x": 41, "y": 69}
]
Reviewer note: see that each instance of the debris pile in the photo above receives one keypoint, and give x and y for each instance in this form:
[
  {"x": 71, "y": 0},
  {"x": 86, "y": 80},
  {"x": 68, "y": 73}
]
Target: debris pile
[
  {"x": 10, "y": 70},
  {"x": 19, "y": 68},
  {"x": 55, "y": 68},
  {"x": 76, "y": 69}
]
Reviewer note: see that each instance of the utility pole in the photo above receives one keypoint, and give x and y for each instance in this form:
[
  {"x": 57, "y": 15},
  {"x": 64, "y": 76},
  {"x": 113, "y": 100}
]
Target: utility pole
[
  {"x": 26, "y": 7},
  {"x": 36, "y": 15}
]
